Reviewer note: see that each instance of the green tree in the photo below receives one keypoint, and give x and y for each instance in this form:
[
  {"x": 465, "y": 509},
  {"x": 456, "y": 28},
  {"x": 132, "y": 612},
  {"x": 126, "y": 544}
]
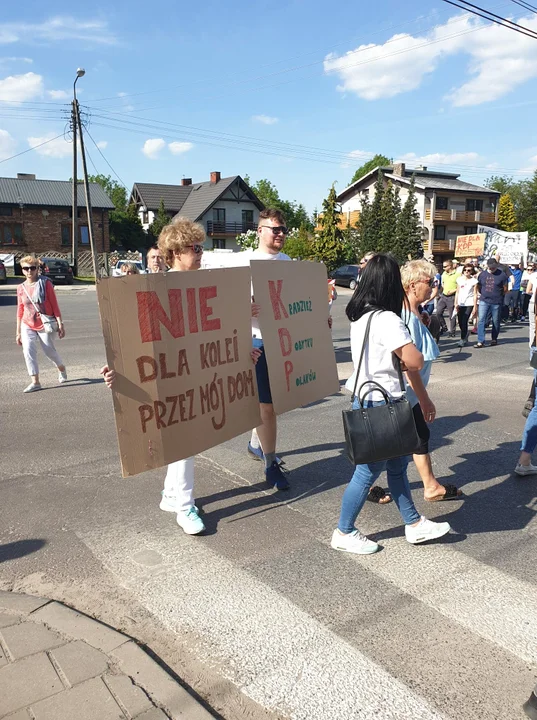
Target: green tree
[
  {"x": 329, "y": 245},
  {"x": 507, "y": 219},
  {"x": 116, "y": 192},
  {"x": 390, "y": 209},
  {"x": 373, "y": 230},
  {"x": 126, "y": 230},
  {"x": 300, "y": 244},
  {"x": 377, "y": 161},
  {"x": 527, "y": 205},
  {"x": 409, "y": 229},
  {"x": 161, "y": 219}
]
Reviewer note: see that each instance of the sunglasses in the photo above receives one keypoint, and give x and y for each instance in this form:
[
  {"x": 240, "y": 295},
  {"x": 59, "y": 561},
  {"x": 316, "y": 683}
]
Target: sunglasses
[
  {"x": 198, "y": 249},
  {"x": 468, "y": 270},
  {"x": 29, "y": 267},
  {"x": 277, "y": 229}
]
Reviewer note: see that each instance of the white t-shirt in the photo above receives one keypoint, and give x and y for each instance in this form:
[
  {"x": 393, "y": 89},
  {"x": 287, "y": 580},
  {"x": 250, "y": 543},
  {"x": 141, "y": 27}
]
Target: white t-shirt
[
  {"x": 533, "y": 280},
  {"x": 243, "y": 259},
  {"x": 387, "y": 333},
  {"x": 466, "y": 290}
]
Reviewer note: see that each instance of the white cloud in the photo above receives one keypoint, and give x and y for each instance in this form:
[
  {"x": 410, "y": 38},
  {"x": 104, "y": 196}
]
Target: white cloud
[
  {"x": 56, "y": 29},
  {"x": 18, "y": 88},
  {"x": 499, "y": 61},
  {"x": 7, "y": 145},
  {"x": 58, "y": 94},
  {"x": 58, "y": 148},
  {"x": 356, "y": 155},
  {"x": 469, "y": 158},
  {"x": 152, "y": 147},
  {"x": 177, "y": 148},
  {"x": 102, "y": 144},
  {"x": 265, "y": 119},
  {"x": 10, "y": 60},
  {"x": 531, "y": 167}
]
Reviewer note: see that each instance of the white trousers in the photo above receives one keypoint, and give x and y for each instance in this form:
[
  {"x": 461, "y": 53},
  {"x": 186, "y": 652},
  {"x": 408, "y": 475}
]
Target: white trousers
[
  {"x": 179, "y": 483},
  {"x": 30, "y": 340}
]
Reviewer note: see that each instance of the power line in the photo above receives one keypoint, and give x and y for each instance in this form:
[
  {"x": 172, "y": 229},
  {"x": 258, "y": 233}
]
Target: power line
[
  {"x": 476, "y": 7},
  {"x": 103, "y": 157},
  {"x": 32, "y": 148},
  {"x": 525, "y": 5},
  {"x": 530, "y": 33}
]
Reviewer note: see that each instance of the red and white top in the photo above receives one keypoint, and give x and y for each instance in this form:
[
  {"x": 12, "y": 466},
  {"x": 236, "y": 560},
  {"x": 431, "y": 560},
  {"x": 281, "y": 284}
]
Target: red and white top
[{"x": 26, "y": 311}]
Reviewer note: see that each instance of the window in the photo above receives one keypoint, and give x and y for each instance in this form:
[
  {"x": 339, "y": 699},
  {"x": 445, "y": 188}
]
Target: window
[
  {"x": 439, "y": 232},
  {"x": 67, "y": 232},
  {"x": 247, "y": 218},
  {"x": 145, "y": 217},
  {"x": 219, "y": 215},
  {"x": 11, "y": 234},
  {"x": 472, "y": 205},
  {"x": 6, "y": 211},
  {"x": 441, "y": 203},
  {"x": 83, "y": 234},
  {"x": 219, "y": 244},
  {"x": 470, "y": 229},
  {"x": 78, "y": 212}
]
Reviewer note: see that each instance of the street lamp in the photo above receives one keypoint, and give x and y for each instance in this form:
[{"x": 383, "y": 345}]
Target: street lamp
[{"x": 74, "y": 229}]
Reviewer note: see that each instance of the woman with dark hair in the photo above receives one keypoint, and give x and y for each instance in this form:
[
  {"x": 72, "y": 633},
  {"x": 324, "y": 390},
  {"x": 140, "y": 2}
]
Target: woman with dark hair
[{"x": 381, "y": 292}]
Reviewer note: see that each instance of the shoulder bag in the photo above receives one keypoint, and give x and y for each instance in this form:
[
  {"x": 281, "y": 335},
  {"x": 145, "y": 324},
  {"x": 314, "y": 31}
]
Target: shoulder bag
[
  {"x": 50, "y": 324},
  {"x": 381, "y": 432}
]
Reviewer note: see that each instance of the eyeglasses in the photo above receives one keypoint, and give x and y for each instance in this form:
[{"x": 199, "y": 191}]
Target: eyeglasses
[
  {"x": 277, "y": 229},
  {"x": 430, "y": 282},
  {"x": 29, "y": 267},
  {"x": 198, "y": 249},
  {"x": 469, "y": 270}
]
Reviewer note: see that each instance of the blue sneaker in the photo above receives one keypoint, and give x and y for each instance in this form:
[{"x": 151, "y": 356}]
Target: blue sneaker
[
  {"x": 275, "y": 477},
  {"x": 190, "y": 521}
]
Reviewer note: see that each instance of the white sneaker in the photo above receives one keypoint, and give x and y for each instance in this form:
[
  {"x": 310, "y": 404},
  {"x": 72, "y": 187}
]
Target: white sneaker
[
  {"x": 520, "y": 469},
  {"x": 190, "y": 521},
  {"x": 32, "y": 387},
  {"x": 168, "y": 503},
  {"x": 354, "y": 542},
  {"x": 425, "y": 530},
  {"x": 62, "y": 376},
  {"x": 461, "y": 343}
]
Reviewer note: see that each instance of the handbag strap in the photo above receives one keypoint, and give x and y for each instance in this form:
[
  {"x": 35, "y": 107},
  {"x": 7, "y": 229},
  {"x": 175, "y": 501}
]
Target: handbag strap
[
  {"x": 38, "y": 311},
  {"x": 397, "y": 361}
]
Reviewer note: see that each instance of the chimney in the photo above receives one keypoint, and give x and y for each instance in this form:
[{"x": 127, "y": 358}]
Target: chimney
[
  {"x": 186, "y": 181},
  {"x": 215, "y": 177},
  {"x": 422, "y": 168},
  {"x": 399, "y": 169},
  {"x": 25, "y": 176}
]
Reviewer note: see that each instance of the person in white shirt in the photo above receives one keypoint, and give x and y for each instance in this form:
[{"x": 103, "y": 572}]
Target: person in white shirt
[
  {"x": 155, "y": 261},
  {"x": 466, "y": 300},
  {"x": 381, "y": 289}
]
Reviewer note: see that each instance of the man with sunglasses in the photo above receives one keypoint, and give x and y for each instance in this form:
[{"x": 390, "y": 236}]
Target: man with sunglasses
[{"x": 272, "y": 233}]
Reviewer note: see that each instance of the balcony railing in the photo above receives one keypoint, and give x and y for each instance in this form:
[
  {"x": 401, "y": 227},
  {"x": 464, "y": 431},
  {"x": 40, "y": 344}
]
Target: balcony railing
[
  {"x": 345, "y": 219},
  {"x": 462, "y": 216},
  {"x": 229, "y": 228},
  {"x": 441, "y": 246}
]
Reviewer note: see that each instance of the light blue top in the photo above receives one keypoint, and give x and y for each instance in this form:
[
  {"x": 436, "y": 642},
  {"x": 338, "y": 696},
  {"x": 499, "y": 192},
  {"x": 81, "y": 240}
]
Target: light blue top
[{"x": 424, "y": 341}]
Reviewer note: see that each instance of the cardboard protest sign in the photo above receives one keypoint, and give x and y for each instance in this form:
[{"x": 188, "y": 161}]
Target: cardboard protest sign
[
  {"x": 512, "y": 247},
  {"x": 294, "y": 324},
  {"x": 180, "y": 343},
  {"x": 470, "y": 245}
]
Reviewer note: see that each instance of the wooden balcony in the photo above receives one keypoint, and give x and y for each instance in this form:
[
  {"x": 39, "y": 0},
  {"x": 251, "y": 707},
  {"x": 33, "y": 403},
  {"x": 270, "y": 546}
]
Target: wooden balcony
[
  {"x": 231, "y": 229},
  {"x": 462, "y": 216},
  {"x": 346, "y": 219},
  {"x": 442, "y": 246}
]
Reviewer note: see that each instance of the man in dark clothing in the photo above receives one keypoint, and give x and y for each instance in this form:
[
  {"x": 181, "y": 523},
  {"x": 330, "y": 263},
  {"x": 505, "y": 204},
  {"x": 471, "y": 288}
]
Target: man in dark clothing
[{"x": 492, "y": 286}]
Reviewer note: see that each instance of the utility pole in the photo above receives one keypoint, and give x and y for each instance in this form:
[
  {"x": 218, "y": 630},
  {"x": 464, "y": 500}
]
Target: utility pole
[
  {"x": 87, "y": 194},
  {"x": 74, "y": 224}
]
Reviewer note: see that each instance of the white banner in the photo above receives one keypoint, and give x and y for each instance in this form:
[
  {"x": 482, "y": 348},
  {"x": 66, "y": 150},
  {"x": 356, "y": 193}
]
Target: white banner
[{"x": 511, "y": 246}]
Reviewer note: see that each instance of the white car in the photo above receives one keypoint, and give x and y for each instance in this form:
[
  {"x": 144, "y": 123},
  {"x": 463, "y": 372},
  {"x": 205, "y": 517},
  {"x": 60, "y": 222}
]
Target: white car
[{"x": 116, "y": 270}]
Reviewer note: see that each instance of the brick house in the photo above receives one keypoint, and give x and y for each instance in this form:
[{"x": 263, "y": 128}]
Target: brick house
[{"x": 36, "y": 216}]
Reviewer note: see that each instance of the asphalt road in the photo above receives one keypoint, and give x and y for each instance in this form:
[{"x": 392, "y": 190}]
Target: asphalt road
[{"x": 260, "y": 616}]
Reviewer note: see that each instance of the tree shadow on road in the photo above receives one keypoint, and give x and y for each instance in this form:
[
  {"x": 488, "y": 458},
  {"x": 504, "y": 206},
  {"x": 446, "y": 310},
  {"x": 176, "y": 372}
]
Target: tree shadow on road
[{"x": 20, "y": 548}]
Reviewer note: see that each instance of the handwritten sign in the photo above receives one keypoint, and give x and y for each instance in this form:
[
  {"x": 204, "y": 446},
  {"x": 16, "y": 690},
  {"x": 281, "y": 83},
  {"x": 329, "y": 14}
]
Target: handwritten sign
[
  {"x": 294, "y": 324},
  {"x": 512, "y": 247},
  {"x": 470, "y": 245},
  {"x": 180, "y": 343}
]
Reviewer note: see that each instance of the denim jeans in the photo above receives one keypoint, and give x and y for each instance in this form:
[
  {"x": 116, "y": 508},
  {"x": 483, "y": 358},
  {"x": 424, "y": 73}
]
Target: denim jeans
[
  {"x": 482, "y": 312},
  {"x": 529, "y": 437},
  {"x": 363, "y": 478}
]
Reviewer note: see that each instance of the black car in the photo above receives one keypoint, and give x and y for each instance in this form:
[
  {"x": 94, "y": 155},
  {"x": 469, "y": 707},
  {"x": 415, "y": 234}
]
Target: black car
[
  {"x": 57, "y": 269},
  {"x": 346, "y": 275}
]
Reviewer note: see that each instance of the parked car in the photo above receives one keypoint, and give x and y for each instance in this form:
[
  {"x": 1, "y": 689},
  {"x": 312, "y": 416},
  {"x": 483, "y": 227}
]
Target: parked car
[
  {"x": 346, "y": 275},
  {"x": 56, "y": 269},
  {"x": 3, "y": 274},
  {"x": 116, "y": 270}
]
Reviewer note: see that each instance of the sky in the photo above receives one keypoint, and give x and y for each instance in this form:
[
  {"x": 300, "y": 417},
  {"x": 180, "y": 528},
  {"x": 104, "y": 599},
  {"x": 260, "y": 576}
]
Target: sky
[{"x": 299, "y": 92}]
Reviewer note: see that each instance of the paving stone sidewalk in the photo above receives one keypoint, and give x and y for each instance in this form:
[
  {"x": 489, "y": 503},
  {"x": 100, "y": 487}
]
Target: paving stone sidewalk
[{"x": 59, "y": 664}]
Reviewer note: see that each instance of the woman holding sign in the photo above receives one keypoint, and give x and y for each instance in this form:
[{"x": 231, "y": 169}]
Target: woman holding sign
[
  {"x": 181, "y": 246},
  {"x": 380, "y": 289}
]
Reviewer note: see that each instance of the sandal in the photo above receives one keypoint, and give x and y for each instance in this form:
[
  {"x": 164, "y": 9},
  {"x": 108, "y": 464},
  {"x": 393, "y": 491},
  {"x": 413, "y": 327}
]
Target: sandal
[
  {"x": 452, "y": 492},
  {"x": 379, "y": 495},
  {"x": 479, "y": 345}
]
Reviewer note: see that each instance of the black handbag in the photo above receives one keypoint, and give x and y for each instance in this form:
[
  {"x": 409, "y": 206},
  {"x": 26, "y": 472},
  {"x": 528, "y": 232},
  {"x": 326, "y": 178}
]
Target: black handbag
[{"x": 381, "y": 432}]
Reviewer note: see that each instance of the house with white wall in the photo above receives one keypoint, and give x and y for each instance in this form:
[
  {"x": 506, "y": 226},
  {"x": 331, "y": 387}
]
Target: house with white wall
[
  {"x": 447, "y": 206},
  {"x": 225, "y": 207}
]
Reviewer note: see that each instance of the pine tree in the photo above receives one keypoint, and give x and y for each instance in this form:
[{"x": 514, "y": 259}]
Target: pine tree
[
  {"x": 409, "y": 230},
  {"x": 161, "y": 219},
  {"x": 374, "y": 222},
  {"x": 506, "y": 214},
  {"x": 329, "y": 247},
  {"x": 390, "y": 210}
]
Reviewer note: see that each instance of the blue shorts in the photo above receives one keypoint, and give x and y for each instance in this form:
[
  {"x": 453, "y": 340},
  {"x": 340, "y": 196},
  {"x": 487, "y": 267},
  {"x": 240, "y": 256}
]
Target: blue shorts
[{"x": 261, "y": 371}]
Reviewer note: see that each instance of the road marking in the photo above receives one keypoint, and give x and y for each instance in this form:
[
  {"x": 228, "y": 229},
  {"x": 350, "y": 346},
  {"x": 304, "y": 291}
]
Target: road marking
[{"x": 276, "y": 653}]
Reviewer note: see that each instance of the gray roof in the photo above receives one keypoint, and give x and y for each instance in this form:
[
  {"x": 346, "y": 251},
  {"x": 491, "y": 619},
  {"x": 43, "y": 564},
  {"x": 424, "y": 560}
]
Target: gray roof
[
  {"x": 204, "y": 195},
  {"x": 51, "y": 193},
  {"x": 174, "y": 196}
]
